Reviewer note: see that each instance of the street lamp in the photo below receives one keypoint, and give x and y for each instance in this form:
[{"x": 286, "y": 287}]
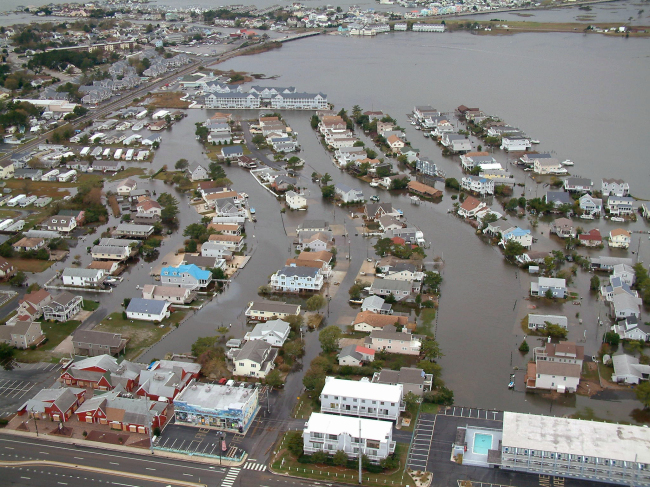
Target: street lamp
[{"x": 220, "y": 446}]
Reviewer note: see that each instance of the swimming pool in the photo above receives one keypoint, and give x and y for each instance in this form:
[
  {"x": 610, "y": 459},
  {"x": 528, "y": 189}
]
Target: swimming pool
[{"x": 482, "y": 443}]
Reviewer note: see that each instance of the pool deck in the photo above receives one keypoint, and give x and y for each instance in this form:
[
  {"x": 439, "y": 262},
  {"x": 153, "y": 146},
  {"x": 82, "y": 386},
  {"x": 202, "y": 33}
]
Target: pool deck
[{"x": 479, "y": 459}]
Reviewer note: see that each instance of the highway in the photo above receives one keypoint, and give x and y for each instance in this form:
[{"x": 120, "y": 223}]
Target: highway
[{"x": 44, "y": 463}]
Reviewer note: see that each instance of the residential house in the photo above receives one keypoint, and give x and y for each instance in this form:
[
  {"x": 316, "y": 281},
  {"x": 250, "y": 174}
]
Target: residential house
[
  {"x": 149, "y": 207},
  {"x": 172, "y": 294},
  {"x": 187, "y": 276},
  {"x": 6, "y": 269},
  {"x": 616, "y": 286},
  {"x": 348, "y": 194},
  {"x": 539, "y": 322},
  {"x": 125, "y": 187},
  {"x": 28, "y": 244},
  {"x": 558, "y": 198},
  {"x": 471, "y": 207},
  {"x": 628, "y": 370},
  {"x": 295, "y": 201},
  {"x": 392, "y": 341},
  {"x": 624, "y": 305},
  {"x": 556, "y": 367},
  {"x": 619, "y": 238},
  {"x": 544, "y": 284},
  {"x": 216, "y": 250},
  {"x": 93, "y": 343},
  {"x": 374, "y": 211},
  {"x": 317, "y": 242},
  {"x": 226, "y": 228},
  {"x": 313, "y": 226},
  {"x": 578, "y": 185},
  {"x": 330, "y": 433},
  {"x": 369, "y": 321},
  {"x": 376, "y": 304},
  {"x": 400, "y": 290},
  {"x": 58, "y": 223},
  {"x": 512, "y": 143},
  {"x": 412, "y": 379},
  {"x": 132, "y": 230},
  {"x": 284, "y": 183},
  {"x": 274, "y": 332},
  {"x": 563, "y": 228},
  {"x": 477, "y": 185},
  {"x": 614, "y": 187},
  {"x": 165, "y": 379},
  {"x": 548, "y": 166},
  {"x": 631, "y": 329},
  {"x": 516, "y": 234},
  {"x": 297, "y": 279},
  {"x": 255, "y": 359},
  {"x": 32, "y": 303},
  {"x": 603, "y": 263},
  {"x": 197, "y": 172},
  {"x": 362, "y": 399},
  {"x": 355, "y": 355},
  {"x": 147, "y": 309},
  {"x": 82, "y": 277},
  {"x": 266, "y": 310},
  {"x": 62, "y": 307},
  {"x": 79, "y": 215},
  {"x": 233, "y": 243},
  {"x": 456, "y": 143},
  {"x": 54, "y": 404},
  {"x": 590, "y": 205},
  {"x": 22, "y": 334},
  {"x": 625, "y": 272},
  {"x": 231, "y": 152},
  {"x": 620, "y": 205}
]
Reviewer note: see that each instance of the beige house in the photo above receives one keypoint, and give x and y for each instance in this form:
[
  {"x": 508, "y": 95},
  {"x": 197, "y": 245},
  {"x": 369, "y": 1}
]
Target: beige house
[
  {"x": 22, "y": 335},
  {"x": 394, "y": 342},
  {"x": 255, "y": 359},
  {"x": 6, "y": 269},
  {"x": 266, "y": 310},
  {"x": 369, "y": 321},
  {"x": 172, "y": 294},
  {"x": 6, "y": 169},
  {"x": 619, "y": 238}
]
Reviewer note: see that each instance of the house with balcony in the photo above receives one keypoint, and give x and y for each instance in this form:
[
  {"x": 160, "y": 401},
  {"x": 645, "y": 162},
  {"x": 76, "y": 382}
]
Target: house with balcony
[
  {"x": 132, "y": 230},
  {"x": 544, "y": 284},
  {"x": 477, "y": 185},
  {"x": 391, "y": 341},
  {"x": 515, "y": 143},
  {"x": 620, "y": 205},
  {"x": 516, "y": 234},
  {"x": 348, "y": 194},
  {"x": 619, "y": 238},
  {"x": 73, "y": 276},
  {"x": 555, "y": 367},
  {"x": 297, "y": 279},
  {"x": 471, "y": 207},
  {"x": 295, "y": 201},
  {"x": 274, "y": 332},
  {"x": 548, "y": 165},
  {"x": 232, "y": 243},
  {"x": 255, "y": 359},
  {"x": 590, "y": 205},
  {"x": 362, "y": 399},
  {"x": 563, "y": 228},
  {"x": 412, "y": 379},
  {"x": 578, "y": 185},
  {"x": 614, "y": 187},
  {"x": 63, "y": 307},
  {"x": 187, "y": 276},
  {"x": 329, "y": 433},
  {"x": 316, "y": 242}
]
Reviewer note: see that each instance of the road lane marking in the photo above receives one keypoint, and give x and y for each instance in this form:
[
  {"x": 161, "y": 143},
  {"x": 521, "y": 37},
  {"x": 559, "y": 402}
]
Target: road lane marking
[
  {"x": 79, "y": 458},
  {"x": 149, "y": 468},
  {"x": 28, "y": 478},
  {"x": 113, "y": 463},
  {"x": 188, "y": 474},
  {"x": 43, "y": 453}
]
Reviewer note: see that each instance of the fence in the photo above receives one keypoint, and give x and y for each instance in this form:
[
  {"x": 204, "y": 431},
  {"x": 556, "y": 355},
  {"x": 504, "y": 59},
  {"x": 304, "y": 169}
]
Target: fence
[
  {"x": 199, "y": 454},
  {"x": 340, "y": 476}
]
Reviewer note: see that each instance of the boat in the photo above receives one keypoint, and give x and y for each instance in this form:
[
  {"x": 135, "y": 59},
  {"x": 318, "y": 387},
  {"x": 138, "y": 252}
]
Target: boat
[
  {"x": 252, "y": 211},
  {"x": 511, "y": 384},
  {"x": 617, "y": 219},
  {"x": 374, "y": 197},
  {"x": 534, "y": 141},
  {"x": 587, "y": 216},
  {"x": 415, "y": 200},
  {"x": 567, "y": 163},
  {"x": 374, "y": 183},
  {"x": 413, "y": 122},
  {"x": 426, "y": 134}
]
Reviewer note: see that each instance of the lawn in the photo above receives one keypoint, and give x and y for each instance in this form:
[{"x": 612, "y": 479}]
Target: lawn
[
  {"x": 90, "y": 305},
  {"x": 169, "y": 99},
  {"x": 427, "y": 316},
  {"x": 55, "y": 333},
  {"x": 141, "y": 334},
  {"x": 53, "y": 189},
  {"x": 129, "y": 173},
  {"x": 304, "y": 407},
  {"x": 429, "y": 408},
  {"x": 30, "y": 265},
  {"x": 284, "y": 462}
]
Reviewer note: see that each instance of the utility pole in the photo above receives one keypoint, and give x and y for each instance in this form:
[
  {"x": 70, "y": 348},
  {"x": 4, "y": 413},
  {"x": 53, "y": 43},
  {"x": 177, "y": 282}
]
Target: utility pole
[
  {"x": 360, "y": 451},
  {"x": 35, "y": 423}
]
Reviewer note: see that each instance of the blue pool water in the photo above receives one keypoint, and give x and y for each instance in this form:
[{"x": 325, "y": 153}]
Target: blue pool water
[{"x": 482, "y": 443}]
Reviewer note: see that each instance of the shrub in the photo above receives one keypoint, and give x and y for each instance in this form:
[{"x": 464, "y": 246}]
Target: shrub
[{"x": 319, "y": 457}]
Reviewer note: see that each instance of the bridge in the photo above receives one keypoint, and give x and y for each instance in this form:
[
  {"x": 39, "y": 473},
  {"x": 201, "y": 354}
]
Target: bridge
[{"x": 298, "y": 36}]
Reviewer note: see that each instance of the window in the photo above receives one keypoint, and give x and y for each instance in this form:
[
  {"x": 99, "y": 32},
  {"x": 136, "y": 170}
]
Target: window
[{"x": 241, "y": 364}]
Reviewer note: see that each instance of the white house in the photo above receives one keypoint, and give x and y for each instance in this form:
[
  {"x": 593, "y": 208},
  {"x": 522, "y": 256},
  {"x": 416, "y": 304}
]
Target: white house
[
  {"x": 197, "y": 172},
  {"x": 537, "y": 322},
  {"x": 619, "y": 239},
  {"x": 478, "y": 185},
  {"x": 82, "y": 277},
  {"x": 125, "y": 187},
  {"x": 471, "y": 207},
  {"x": 557, "y": 367},
  {"x": 590, "y": 205},
  {"x": 362, "y": 399},
  {"x": 631, "y": 329},
  {"x": 615, "y": 187},
  {"x": 274, "y": 332},
  {"x": 255, "y": 359},
  {"x": 548, "y": 166},
  {"x": 512, "y": 143},
  {"x": 330, "y": 433},
  {"x": 295, "y": 201},
  {"x": 147, "y": 309},
  {"x": 620, "y": 205},
  {"x": 624, "y": 305},
  {"x": 628, "y": 370},
  {"x": 543, "y": 284},
  {"x": 348, "y": 194},
  {"x": 297, "y": 279},
  {"x": 518, "y": 235}
]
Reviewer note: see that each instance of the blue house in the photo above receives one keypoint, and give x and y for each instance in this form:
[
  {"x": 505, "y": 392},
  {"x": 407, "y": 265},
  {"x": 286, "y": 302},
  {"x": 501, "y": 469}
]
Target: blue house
[
  {"x": 232, "y": 151},
  {"x": 187, "y": 276}
]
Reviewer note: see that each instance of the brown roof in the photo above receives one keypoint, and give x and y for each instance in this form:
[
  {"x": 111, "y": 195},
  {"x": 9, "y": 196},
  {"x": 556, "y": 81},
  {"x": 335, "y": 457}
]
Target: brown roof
[
  {"x": 305, "y": 263},
  {"x": 470, "y": 203},
  {"x": 619, "y": 231},
  {"x": 222, "y": 227},
  {"x": 148, "y": 204},
  {"x": 207, "y": 184},
  {"x": 226, "y": 238},
  {"x": 565, "y": 349},
  {"x": 106, "y": 265},
  {"x": 321, "y": 255},
  {"x": 35, "y": 297},
  {"x": 269, "y": 119},
  {"x": 424, "y": 189},
  {"x": 477, "y": 154},
  {"x": 5, "y": 265},
  {"x": 377, "y": 320},
  {"x": 223, "y": 194},
  {"x": 115, "y": 414},
  {"x": 28, "y": 242},
  {"x": 558, "y": 368},
  {"x": 593, "y": 234},
  {"x": 317, "y": 236}
]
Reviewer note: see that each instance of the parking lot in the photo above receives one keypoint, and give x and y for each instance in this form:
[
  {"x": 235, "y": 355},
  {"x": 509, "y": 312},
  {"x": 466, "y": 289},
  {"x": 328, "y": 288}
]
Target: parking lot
[{"x": 23, "y": 382}]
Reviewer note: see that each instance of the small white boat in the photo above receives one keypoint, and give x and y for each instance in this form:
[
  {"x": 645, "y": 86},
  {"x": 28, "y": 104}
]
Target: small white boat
[
  {"x": 374, "y": 184},
  {"x": 567, "y": 163},
  {"x": 426, "y": 134},
  {"x": 587, "y": 217},
  {"x": 374, "y": 198},
  {"x": 417, "y": 127},
  {"x": 617, "y": 219},
  {"x": 413, "y": 122},
  {"x": 511, "y": 384},
  {"x": 534, "y": 141},
  {"x": 415, "y": 200}
]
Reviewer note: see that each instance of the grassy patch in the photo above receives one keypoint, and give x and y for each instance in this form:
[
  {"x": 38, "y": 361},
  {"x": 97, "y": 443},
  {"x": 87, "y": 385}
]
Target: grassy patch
[
  {"x": 285, "y": 462},
  {"x": 30, "y": 265},
  {"x": 115, "y": 207},
  {"x": 430, "y": 408},
  {"x": 606, "y": 371},
  {"x": 169, "y": 99},
  {"x": 304, "y": 407},
  {"x": 141, "y": 334},
  {"x": 426, "y": 326},
  {"x": 90, "y": 305},
  {"x": 55, "y": 333},
  {"x": 129, "y": 173},
  {"x": 53, "y": 189}
]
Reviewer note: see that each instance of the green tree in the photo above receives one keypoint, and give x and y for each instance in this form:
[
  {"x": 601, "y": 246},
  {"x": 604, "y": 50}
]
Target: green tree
[
  {"x": 319, "y": 457},
  {"x": 431, "y": 349},
  {"x": 399, "y": 183},
  {"x": 555, "y": 331},
  {"x": 452, "y": 183},
  {"x": 513, "y": 249},
  {"x": 196, "y": 231},
  {"x": 314, "y": 380},
  {"x": 612, "y": 338},
  {"x": 340, "y": 458},
  {"x": 314, "y": 121},
  {"x": 643, "y": 393},
  {"x": 411, "y": 401},
  {"x": 293, "y": 350},
  {"x": 6, "y": 356},
  {"x": 181, "y": 165},
  {"x": 258, "y": 139},
  {"x": 326, "y": 178},
  {"x": 441, "y": 396},
  {"x": 328, "y": 192},
  {"x": 594, "y": 284},
  {"x": 548, "y": 294},
  {"x": 432, "y": 280},
  {"x": 18, "y": 279},
  {"x": 315, "y": 303},
  {"x": 295, "y": 443},
  {"x": 274, "y": 379},
  {"x": 216, "y": 171},
  {"x": 329, "y": 338},
  {"x": 524, "y": 346},
  {"x": 383, "y": 246},
  {"x": 430, "y": 367}
]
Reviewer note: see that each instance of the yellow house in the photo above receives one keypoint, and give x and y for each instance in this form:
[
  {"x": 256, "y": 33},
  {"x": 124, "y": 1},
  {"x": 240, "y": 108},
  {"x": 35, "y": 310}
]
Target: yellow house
[{"x": 6, "y": 169}]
